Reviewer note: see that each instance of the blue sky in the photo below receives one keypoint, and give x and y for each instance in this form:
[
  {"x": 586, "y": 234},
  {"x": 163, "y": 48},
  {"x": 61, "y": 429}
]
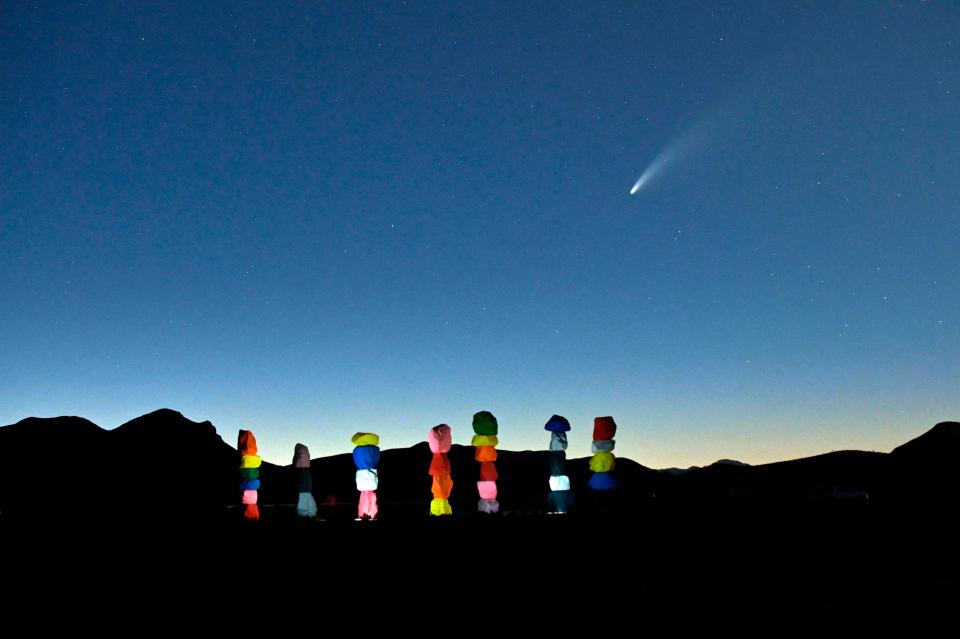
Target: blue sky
[{"x": 310, "y": 220}]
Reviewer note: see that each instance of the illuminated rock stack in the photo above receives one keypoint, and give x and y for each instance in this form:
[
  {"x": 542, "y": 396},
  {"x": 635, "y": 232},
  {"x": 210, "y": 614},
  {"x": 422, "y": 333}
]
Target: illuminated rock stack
[
  {"x": 306, "y": 504},
  {"x": 440, "y": 440},
  {"x": 249, "y": 474},
  {"x": 603, "y": 461},
  {"x": 485, "y": 440},
  {"x": 366, "y": 456},
  {"x": 560, "y": 497}
]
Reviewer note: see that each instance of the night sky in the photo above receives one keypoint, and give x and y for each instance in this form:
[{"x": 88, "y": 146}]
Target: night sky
[{"x": 313, "y": 219}]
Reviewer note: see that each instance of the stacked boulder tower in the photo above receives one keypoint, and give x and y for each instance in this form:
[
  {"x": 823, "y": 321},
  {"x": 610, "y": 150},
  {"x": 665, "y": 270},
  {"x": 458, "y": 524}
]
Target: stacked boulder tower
[
  {"x": 306, "y": 504},
  {"x": 366, "y": 456},
  {"x": 249, "y": 474},
  {"x": 485, "y": 441},
  {"x": 560, "y": 496},
  {"x": 440, "y": 439},
  {"x": 603, "y": 460}
]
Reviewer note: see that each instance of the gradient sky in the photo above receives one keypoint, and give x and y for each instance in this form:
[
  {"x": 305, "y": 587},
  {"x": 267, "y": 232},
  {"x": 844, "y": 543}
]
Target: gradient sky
[{"x": 312, "y": 219}]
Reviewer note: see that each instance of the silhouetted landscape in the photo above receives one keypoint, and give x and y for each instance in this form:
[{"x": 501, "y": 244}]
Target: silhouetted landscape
[
  {"x": 71, "y": 465},
  {"x": 832, "y": 534}
]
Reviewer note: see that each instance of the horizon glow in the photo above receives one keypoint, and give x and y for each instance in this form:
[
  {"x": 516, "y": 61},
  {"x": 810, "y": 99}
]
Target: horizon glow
[{"x": 308, "y": 221}]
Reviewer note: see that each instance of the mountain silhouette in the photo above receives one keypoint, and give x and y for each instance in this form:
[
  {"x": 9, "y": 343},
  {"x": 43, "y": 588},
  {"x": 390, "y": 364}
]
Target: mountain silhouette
[
  {"x": 927, "y": 465},
  {"x": 160, "y": 461},
  {"x": 163, "y": 463},
  {"x": 938, "y": 445}
]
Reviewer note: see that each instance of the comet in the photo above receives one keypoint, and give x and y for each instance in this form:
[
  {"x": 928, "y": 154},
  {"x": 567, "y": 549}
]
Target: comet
[
  {"x": 722, "y": 119},
  {"x": 658, "y": 164},
  {"x": 678, "y": 149}
]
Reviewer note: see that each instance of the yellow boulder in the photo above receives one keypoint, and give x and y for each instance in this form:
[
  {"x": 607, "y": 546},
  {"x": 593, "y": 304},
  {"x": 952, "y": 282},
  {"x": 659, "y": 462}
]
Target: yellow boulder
[
  {"x": 365, "y": 439},
  {"x": 603, "y": 462}
]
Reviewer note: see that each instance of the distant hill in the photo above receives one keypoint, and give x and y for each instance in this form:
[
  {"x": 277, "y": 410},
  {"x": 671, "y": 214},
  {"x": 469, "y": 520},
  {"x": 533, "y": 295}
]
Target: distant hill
[
  {"x": 163, "y": 464},
  {"x": 928, "y": 465},
  {"x": 940, "y": 444},
  {"x": 673, "y": 471},
  {"x": 731, "y": 462},
  {"x": 160, "y": 461}
]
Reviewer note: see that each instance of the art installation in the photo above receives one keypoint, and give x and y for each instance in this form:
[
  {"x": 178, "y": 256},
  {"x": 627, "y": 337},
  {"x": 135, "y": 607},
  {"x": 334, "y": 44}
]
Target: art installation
[
  {"x": 366, "y": 456},
  {"x": 306, "y": 504},
  {"x": 249, "y": 474},
  {"x": 603, "y": 461},
  {"x": 560, "y": 496},
  {"x": 440, "y": 440},
  {"x": 485, "y": 441}
]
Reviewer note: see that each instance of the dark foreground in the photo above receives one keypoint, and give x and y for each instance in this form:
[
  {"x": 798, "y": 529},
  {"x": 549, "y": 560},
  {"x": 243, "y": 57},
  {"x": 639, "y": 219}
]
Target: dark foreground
[{"x": 846, "y": 559}]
